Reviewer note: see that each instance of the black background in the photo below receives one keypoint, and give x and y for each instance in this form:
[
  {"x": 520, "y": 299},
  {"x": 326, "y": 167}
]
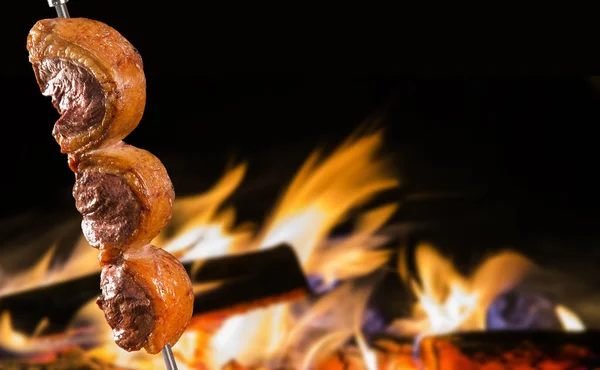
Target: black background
[{"x": 522, "y": 152}]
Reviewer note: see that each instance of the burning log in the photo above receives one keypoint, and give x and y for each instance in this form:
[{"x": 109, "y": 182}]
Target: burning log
[
  {"x": 230, "y": 284},
  {"x": 521, "y": 350}
]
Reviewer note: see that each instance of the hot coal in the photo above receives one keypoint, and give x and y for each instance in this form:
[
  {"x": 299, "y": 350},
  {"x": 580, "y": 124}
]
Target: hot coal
[{"x": 511, "y": 350}]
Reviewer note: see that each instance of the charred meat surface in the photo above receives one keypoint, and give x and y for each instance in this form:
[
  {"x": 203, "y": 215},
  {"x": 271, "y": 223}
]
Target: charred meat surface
[
  {"x": 110, "y": 209},
  {"x": 127, "y": 308},
  {"x": 75, "y": 92}
]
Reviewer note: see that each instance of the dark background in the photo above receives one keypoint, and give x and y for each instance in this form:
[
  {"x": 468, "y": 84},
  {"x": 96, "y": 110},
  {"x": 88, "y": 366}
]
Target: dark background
[{"x": 513, "y": 160}]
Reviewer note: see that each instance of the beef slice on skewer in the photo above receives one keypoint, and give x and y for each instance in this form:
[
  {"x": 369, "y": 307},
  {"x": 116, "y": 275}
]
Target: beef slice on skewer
[{"x": 96, "y": 80}]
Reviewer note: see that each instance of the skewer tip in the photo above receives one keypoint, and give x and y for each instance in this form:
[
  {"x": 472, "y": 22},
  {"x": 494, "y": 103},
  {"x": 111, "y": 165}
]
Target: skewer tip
[{"x": 169, "y": 358}]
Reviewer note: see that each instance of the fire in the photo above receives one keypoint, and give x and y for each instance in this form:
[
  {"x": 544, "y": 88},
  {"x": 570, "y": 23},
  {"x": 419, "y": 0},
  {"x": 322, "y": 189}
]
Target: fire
[
  {"x": 44, "y": 272},
  {"x": 569, "y": 319},
  {"x": 10, "y": 338},
  {"x": 325, "y": 328},
  {"x": 326, "y": 192},
  {"x": 201, "y": 227},
  {"x": 322, "y": 195},
  {"x": 448, "y": 301}
]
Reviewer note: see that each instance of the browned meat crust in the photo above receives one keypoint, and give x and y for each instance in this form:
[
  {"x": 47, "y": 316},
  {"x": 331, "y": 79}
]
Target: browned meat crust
[
  {"x": 108, "y": 100},
  {"x": 124, "y": 193}
]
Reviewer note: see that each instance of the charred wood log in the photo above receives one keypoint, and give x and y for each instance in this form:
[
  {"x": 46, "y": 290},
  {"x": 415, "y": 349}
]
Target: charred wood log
[{"x": 229, "y": 283}]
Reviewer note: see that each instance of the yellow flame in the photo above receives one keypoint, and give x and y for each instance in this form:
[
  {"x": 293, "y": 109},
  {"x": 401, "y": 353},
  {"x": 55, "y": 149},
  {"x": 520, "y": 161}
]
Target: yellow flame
[
  {"x": 201, "y": 227},
  {"x": 357, "y": 254},
  {"x": 447, "y": 315},
  {"x": 11, "y": 339},
  {"x": 322, "y": 194},
  {"x": 447, "y": 300},
  {"x": 31, "y": 278},
  {"x": 252, "y": 338},
  {"x": 569, "y": 320}
]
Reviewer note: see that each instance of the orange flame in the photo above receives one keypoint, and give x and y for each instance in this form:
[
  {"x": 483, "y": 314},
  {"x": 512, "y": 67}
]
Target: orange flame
[{"x": 323, "y": 194}]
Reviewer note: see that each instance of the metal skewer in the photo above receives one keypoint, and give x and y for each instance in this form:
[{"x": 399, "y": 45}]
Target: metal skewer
[
  {"x": 169, "y": 358},
  {"x": 63, "y": 12},
  {"x": 61, "y": 7}
]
